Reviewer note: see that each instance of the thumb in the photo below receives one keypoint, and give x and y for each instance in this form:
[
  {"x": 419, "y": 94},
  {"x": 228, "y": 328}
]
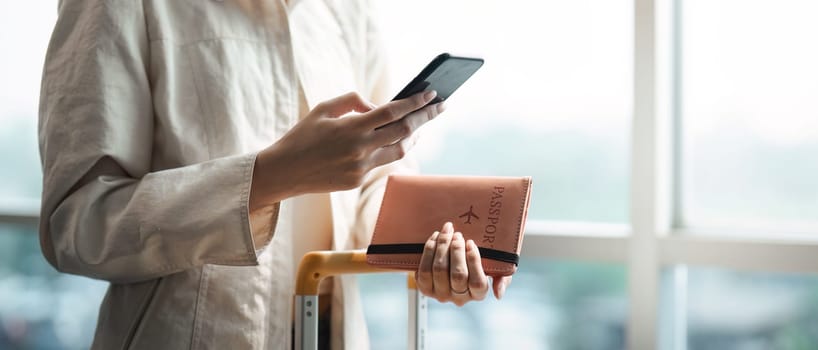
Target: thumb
[{"x": 499, "y": 285}]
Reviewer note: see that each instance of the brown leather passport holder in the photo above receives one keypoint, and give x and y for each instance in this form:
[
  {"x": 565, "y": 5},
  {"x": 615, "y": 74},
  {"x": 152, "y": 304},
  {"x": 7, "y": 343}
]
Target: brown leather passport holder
[{"x": 489, "y": 210}]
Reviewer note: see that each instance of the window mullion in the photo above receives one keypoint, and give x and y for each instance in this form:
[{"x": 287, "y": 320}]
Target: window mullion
[{"x": 650, "y": 194}]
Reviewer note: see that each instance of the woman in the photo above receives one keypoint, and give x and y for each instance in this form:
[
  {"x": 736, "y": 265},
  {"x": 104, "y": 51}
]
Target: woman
[{"x": 194, "y": 150}]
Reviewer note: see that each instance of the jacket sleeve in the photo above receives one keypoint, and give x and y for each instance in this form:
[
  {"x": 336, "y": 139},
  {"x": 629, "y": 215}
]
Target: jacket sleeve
[{"x": 105, "y": 214}]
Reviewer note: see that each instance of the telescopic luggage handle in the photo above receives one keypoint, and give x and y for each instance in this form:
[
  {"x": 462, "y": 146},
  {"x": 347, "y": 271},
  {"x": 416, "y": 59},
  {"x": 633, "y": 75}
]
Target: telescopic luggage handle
[{"x": 317, "y": 265}]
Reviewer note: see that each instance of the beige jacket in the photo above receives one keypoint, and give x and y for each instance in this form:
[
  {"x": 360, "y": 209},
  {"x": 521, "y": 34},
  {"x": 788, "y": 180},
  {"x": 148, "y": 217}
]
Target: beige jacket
[{"x": 150, "y": 119}]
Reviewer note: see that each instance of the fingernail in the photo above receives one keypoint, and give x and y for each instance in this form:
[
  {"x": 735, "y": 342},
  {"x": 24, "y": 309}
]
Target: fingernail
[
  {"x": 434, "y": 235},
  {"x": 458, "y": 235},
  {"x": 448, "y": 227},
  {"x": 469, "y": 245},
  {"x": 429, "y": 95}
]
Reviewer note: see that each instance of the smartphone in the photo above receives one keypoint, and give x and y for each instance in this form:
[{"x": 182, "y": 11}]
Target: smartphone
[{"x": 444, "y": 74}]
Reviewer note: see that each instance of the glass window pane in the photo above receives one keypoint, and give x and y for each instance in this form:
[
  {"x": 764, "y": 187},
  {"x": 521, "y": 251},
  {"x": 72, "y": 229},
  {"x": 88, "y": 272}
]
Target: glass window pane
[
  {"x": 20, "y": 174},
  {"x": 41, "y": 308},
  {"x": 727, "y": 309},
  {"x": 553, "y": 99},
  {"x": 750, "y": 114},
  {"x": 550, "y": 305}
]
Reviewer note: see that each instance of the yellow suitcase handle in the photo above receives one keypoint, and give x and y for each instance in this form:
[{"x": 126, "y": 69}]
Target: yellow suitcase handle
[{"x": 317, "y": 265}]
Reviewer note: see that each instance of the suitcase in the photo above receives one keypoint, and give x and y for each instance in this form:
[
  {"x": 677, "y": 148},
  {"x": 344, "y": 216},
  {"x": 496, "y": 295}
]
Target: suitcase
[{"x": 317, "y": 265}]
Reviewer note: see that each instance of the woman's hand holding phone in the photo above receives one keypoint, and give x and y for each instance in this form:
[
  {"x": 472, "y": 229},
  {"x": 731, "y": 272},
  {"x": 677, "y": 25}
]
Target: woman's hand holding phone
[{"x": 325, "y": 153}]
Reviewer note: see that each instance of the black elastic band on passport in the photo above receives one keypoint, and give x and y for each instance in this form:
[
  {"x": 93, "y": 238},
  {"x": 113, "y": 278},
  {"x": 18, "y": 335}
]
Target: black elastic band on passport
[{"x": 417, "y": 248}]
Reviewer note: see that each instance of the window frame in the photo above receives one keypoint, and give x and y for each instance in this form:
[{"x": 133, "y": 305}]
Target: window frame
[{"x": 655, "y": 238}]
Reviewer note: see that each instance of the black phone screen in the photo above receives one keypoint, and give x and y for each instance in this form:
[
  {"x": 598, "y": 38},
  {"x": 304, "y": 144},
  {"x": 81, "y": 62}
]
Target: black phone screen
[{"x": 444, "y": 74}]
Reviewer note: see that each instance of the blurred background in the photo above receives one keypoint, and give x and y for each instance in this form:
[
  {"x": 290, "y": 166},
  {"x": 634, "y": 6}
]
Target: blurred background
[{"x": 555, "y": 100}]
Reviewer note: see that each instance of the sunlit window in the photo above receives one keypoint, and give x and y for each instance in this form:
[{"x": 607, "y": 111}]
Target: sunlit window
[
  {"x": 727, "y": 309},
  {"x": 750, "y": 114},
  {"x": 552, "y": 101}
]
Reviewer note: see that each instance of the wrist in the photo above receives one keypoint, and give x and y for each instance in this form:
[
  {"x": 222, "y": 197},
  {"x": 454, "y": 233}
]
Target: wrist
[{"x": 269, "y": 184}]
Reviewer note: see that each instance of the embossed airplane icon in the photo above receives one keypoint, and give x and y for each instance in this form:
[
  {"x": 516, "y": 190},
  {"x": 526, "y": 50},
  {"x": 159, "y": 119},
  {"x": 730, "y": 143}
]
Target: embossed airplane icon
[{"x": 469, "y": 214}]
